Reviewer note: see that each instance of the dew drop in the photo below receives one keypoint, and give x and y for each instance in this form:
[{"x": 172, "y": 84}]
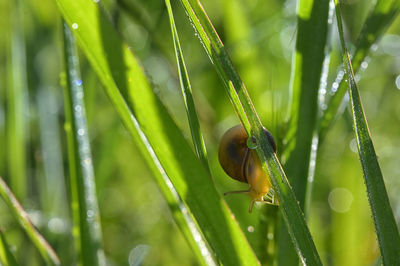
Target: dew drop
[
  {"x": 340, "y": 74},
  {"x": 335, "y": 86},
  {"x": 252, "y": 143},
  {"x": 250, "y": 228},
  {"x": 79, "y": 95},
  {"x": 197, "y": 238},
  {"x": 374, "y": 47},
  {"x": 75, "y": 26},
  {"x": 138, "y": 254},
  {"x": 364, "y": 65},
  {"x": 398, "y": 82},
  {"x": 90, "y": 214},
  {"x": 353, "y": 145}
]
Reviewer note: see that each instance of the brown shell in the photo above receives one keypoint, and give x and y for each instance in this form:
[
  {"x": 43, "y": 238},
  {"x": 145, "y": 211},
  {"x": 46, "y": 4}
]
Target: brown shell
[
  {"x": 233, "y": 152},
  {"x": 237, "y": 160}
]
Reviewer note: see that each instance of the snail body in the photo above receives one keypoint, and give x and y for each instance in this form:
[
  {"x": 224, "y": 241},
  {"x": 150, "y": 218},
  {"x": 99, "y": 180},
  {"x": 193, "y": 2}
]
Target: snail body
[{"x": 242, "y": 163}]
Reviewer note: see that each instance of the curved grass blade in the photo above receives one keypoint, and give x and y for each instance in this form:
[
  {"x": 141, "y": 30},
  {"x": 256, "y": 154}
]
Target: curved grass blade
[
  {"x": 197, "y": 137},
  {"x": 45, "y": 250},
  {"x": 86, "y": 217},
  {"x": 6, "y": 256},
  {"x": 385, "y": 224},
  {"x": 241, "y": 101},
  {"x": 183, "y": 180},
  {"x": 312, "y": 29},
  {"x": 377, "y": 22},
  {"x": 17, "y": 104}
]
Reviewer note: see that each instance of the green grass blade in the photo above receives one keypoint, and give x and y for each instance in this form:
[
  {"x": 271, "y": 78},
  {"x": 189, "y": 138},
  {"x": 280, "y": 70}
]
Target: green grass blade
[
  {"x": 48, "y": 254},
  {"x": 178, "y": 171},
  {"x": 138, "y": 13},
  {"x": 290, "y": 208},
  {"x": 86, "y": 228},
  {"x": 197, "y": 137},
  {"x": 17, "y": 105},
  {"x": 53, "y": 193},
  {"x": 377, "y": 22},
  {"x": 385, "y": 224},
  {"x": 312, "y": 29},
  {"x": 6, "y": 256}
]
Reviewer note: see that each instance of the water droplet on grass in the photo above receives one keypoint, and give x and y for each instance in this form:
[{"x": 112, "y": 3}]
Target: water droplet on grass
[
  {"x": 138, "y": 254},
  {"x": 252, "y": 143},
  {"x": 398, "y": 82},
  {"x": 364, "y": 65}
]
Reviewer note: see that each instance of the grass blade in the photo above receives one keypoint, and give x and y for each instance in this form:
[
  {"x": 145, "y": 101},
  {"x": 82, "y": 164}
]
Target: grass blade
[
  {"x": 385, "y": 224},
  {"x": 86, "y": 228},
  {"x": 377, "y": 22},
  {"x": 312, "y": 29},
  {"x": 311, "y": 40},
  {"x": 197, "y": 137},
  {"x": 17, "y": 105},
  {"x": 48, "y": 254},
  {"x": 290, "y": 208},
  {"x": 180, "y": 175},
  {"x": 53, "y": 186},
  {"x": 186, "y": 89},
  {"x": 6, "y": 256}
]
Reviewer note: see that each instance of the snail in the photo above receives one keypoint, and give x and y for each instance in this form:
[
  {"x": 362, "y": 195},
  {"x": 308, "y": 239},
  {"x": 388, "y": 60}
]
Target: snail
[{"x": 242, "y": 163}]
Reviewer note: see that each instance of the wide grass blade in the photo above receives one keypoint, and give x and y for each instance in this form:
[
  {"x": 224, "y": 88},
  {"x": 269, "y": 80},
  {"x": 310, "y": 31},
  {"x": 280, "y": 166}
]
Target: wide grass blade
[
  {"x": 312, "y": 29},
  {"x": 86, "y": 217},
  {"x": 186, "y": 88},
  {"x": 377, "y": 22},
  {"x": 385, "y": 224},
  {"x": 17, "y": 105},
  {"x": 48, "y": 254},
  {"x": 240, "y": 99},
  {"x": 6, "y": 256},
  {"x": 182, "y": 178}
]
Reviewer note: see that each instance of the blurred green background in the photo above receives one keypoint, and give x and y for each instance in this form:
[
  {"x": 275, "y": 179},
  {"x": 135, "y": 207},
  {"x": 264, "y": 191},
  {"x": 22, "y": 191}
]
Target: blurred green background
[{"x": 134, "y": 215}]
